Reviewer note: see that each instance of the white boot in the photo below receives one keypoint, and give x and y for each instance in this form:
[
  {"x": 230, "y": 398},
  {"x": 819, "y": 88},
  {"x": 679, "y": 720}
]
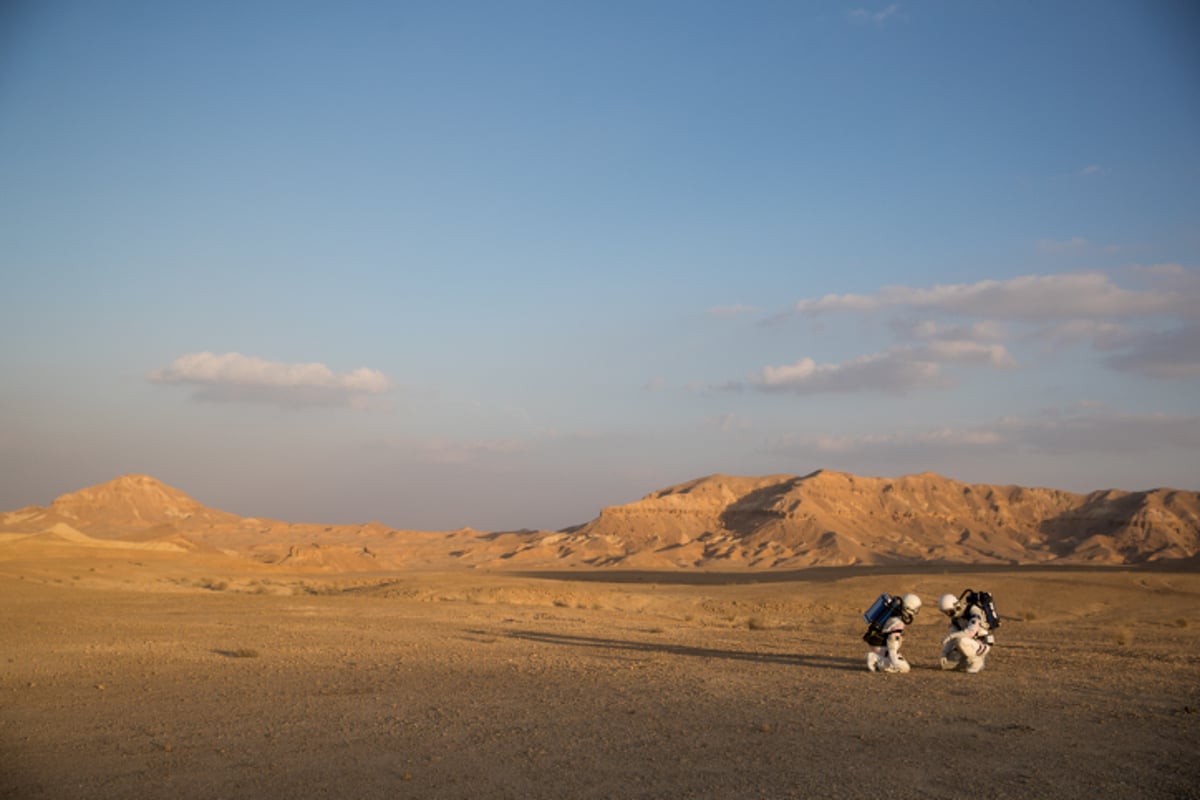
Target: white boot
[{"x": 973, "y": 653}]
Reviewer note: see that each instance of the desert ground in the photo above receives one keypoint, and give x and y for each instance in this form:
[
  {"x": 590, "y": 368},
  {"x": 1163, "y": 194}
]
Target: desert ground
[{"x": 136, "y": 675}]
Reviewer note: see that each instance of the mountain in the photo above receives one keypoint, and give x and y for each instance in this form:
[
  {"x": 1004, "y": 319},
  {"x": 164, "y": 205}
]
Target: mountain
[
  {"x": 141, "y": 513},
  {"x": 716, "y": 522},
  {"x": 834, "y": 518},
  {"x": 135, "y": 504}
]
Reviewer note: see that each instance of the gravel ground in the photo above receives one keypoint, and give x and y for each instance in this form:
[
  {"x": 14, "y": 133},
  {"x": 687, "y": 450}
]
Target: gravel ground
[{"x": 495, "y": 686}]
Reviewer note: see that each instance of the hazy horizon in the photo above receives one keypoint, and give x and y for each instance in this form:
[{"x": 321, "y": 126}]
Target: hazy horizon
[{"x": 501, "y": 265}]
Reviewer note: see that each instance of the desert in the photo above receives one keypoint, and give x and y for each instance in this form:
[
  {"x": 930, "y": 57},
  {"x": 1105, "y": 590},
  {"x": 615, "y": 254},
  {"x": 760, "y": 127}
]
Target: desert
[
  {"x": 167, "y": 652},
  {"x": 586, "y": 400}
]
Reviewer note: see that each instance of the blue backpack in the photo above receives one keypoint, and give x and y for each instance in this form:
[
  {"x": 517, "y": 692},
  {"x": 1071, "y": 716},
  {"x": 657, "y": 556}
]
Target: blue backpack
[{"x": 884, "y": 608}]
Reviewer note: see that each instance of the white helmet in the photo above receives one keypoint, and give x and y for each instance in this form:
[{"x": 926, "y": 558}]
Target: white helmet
[
  {"x": 911, "y": 602},
  {"x": 947, "y": 603}
]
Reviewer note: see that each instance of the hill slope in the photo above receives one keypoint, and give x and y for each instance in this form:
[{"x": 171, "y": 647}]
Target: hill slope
[
  {"x": 833, "y": 518},
  {"x": 717, "y": 522}
]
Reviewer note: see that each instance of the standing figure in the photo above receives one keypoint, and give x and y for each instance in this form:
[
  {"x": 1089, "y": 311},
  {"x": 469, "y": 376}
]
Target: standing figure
[
  {"x": 886, "y": 619},
  {"x": 973, "y": 617}
]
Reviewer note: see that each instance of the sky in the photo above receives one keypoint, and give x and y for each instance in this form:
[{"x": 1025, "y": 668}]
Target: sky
[{"x": 503, "y": 264}]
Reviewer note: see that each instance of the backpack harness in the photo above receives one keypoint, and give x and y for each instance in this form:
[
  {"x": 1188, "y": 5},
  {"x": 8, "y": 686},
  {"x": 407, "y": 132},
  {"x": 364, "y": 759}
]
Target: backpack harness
[
  {"x": 984, "y": 601},
  {"x": 883, "y": 609}
]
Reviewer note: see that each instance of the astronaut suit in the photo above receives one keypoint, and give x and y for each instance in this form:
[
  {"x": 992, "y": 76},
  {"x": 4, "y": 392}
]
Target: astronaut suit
[
  {"x": 887, "y": 658},
  {"x": 969, "y": 639}
]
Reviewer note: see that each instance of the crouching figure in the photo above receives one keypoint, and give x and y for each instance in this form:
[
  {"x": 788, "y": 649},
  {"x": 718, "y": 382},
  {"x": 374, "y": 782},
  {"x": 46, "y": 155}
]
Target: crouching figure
[
  {"x": 973, "y": 617},
  {"x": 886, "y": 619}
]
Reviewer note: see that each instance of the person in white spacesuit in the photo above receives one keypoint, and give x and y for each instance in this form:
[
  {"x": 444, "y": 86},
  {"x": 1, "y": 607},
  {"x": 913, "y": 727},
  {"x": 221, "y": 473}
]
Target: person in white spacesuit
[
  {"x": 970, "y": 638},
  {"x": 886, "y": 632}
]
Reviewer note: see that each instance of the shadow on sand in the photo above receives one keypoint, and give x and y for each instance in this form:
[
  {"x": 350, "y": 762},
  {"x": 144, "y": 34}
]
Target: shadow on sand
[
  {"x": 241, "y": 652},
  {"x": 704, "y": 577},
  {"x": 623, "y": 645}
]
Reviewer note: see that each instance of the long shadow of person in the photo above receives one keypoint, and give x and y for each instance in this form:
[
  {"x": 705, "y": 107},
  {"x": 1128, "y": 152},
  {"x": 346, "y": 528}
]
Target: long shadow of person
[{"x": 793, "y": 659}]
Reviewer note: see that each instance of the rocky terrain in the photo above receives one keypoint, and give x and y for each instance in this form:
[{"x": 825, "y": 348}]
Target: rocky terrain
[
  {"x": 135, "y": 675},
  {"x": 155, "y": 648},
  {"x": 717, "y": 522},
  {"x": 833, "y": 518}
]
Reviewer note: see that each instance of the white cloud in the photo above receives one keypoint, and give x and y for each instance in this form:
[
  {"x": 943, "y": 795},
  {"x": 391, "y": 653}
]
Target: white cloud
[
  {"x": 656, "y": 384},
  {"x": 881, "y": 372},
  {"x": 1086, "y": 431},
  {"x": 961, "y": 352},
  {"x": 877, "y": 17},
  {"x": 1104, "y": 432},
  {"x": 897, "y": 370},
  {"x": 929, "y": 329},
  {"x": 1056, "y": 310},
  {"x": 1102, "y": 335},
  {"x": 233, "y": 377},
  {"x": 1081, "y": 295},
  {"x": 1171, "y": 354},
  {"x": 1092, "y": 169},
  {"x": 1174, "y": 278}
]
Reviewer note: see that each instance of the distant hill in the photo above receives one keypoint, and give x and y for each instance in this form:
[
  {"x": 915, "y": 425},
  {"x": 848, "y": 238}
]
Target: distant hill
[
  {"x": 139, "y": 510},
  {"x": 124, "y": 507},
  {"x": 834, "y": 518},
  {"x": 716, "y": 522}
]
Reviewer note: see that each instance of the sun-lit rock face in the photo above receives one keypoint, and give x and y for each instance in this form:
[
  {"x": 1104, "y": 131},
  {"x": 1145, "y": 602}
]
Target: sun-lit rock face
[
  {"x": 834, "y": 518},
  {"x": 126, "y": 506},
  {"x": 136, "y": 503},
  {"x": 716, "y": 522}
]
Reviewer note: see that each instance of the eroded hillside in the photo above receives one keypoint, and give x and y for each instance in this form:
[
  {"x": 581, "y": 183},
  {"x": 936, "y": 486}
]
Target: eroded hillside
[{"x": 717, "y": 522}]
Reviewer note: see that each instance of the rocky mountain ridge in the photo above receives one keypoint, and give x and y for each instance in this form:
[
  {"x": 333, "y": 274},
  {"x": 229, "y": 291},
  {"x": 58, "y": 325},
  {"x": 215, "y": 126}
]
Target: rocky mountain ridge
[
  {"x": 836, "y": 518},
  {"x": 825, "y": 518}
]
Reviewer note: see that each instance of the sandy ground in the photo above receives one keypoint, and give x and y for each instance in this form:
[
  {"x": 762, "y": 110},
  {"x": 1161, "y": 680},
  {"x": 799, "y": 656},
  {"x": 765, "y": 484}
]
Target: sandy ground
[{"x": 131, "y": 679}]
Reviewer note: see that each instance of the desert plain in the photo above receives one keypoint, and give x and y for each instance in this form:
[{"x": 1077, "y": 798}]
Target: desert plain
[
  {"x": 140, "y": 677},
  {"x": 139, "y": 663}
]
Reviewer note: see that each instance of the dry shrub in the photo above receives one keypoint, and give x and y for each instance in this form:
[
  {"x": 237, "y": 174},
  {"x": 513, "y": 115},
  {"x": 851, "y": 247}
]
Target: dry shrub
[{"x": 1124, "y": 636}]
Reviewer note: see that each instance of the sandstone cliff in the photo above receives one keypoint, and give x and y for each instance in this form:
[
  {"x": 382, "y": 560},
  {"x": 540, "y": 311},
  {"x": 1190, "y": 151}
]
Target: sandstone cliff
[
  {"x": 833, "y": 518},
  {"x": 717, "y": 522}
]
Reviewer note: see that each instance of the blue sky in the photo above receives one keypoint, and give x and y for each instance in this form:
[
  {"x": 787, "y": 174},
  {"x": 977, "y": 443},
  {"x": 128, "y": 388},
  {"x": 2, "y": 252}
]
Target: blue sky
[{"x": 502, "y": 264}]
